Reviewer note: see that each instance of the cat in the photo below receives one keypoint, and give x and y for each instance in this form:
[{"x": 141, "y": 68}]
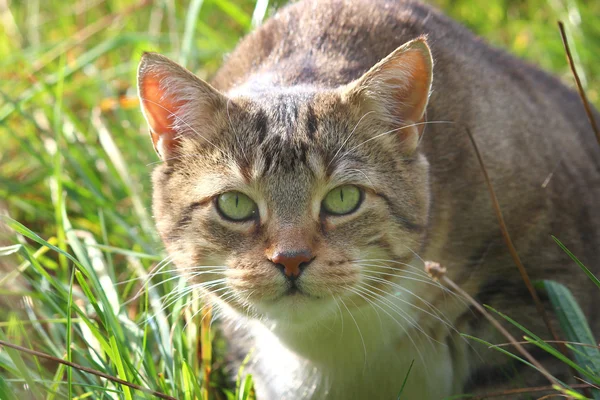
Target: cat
[{"x": 303, "y": 188}]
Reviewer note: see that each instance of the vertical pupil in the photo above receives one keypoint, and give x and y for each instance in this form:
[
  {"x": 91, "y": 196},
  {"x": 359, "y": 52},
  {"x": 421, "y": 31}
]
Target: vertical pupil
[
  {"x": 342, "y": 195},
  {"x": 237, "y": 200}
]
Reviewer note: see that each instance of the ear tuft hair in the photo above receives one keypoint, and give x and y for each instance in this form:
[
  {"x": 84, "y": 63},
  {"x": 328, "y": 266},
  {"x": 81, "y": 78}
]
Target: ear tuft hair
[
  {"x": 174, "y": 101},
  {"x": 397, "y": 88}
]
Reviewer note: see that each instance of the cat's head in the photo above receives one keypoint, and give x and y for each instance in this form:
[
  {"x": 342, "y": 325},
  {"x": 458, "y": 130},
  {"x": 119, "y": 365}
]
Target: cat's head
[{"x": 280, "y": 201}]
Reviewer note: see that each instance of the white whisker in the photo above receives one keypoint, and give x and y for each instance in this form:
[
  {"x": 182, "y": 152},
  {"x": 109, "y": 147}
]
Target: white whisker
[
  {"x": 358, "y": 329},
  {"x": 348, "y": 138}
]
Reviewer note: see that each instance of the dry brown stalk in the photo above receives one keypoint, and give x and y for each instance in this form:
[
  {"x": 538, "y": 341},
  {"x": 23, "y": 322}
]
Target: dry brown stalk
[
  {"x": 86, "y": 369},
  {"x": 586, "y": 103},
  {"x": 205, "y": 324},
  {"x": 438, "y": 272},
  {"x": 513, "y": 250}
]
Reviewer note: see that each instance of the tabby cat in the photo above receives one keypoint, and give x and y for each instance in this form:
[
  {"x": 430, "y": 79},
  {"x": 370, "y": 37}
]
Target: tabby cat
[{"x": 303, "y": 187}]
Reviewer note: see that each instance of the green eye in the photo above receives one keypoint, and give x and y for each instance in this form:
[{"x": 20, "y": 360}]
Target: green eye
[
  {"x": 342, "y": 200},
  {"x": 236, "y": 206}
]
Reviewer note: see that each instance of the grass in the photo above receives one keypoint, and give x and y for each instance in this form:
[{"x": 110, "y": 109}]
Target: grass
[{"x": 74, "y": 176}]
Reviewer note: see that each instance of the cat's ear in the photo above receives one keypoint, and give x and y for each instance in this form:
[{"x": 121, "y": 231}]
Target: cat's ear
[
  {"x": 397, "y": 90},
  {"x": 174, "y": 102}
]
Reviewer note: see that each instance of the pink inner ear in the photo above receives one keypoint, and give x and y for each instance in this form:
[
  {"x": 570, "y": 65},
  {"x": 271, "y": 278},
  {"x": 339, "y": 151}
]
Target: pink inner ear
[
  {"x": 413, "y": 84},
  {"x": 159, "y": 109}
]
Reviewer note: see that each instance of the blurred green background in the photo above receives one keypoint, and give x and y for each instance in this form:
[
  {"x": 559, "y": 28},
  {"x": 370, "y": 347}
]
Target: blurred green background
[{"x": 75, "y": 161}]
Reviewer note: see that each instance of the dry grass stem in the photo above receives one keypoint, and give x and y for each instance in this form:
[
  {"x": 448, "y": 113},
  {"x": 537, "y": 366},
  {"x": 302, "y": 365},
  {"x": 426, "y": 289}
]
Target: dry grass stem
[
  {"x": 86, "y": 369},
  {"x": 586, "y": 103},
  {"x": 513, "y": 250},
  {"x": 438, "y": 272}
]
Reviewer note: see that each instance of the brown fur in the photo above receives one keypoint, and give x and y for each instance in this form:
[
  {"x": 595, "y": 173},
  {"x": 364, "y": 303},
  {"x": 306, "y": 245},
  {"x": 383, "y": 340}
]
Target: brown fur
[{"x": 289, "y": 103}]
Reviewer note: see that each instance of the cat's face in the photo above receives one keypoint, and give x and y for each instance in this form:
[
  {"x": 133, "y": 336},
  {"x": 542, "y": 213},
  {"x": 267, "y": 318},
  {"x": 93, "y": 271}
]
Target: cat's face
[{"x": 281, "y": 203}]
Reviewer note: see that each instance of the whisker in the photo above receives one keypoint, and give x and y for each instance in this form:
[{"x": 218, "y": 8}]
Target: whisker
[
  {"x": 187, "y": 291},
  {"x": 413, "y": 305},
  {"x": 189, "y": 276},
  {"x": 153, "y": 271},
  {"x": 427, "y": 279},
  {"x": 414, "y": 253},
  {"x": 392, "y": 317},
  {"x": 399, "y": 274},
  {"x": 178, "y": 118},
  {"x": 348, "y": 138},
  {"x": 418, "y": 270},
  {"x": 437, "y": 313},
  {"x": 393, "y": 307},
  {"x": 340, "y": 309},
  {"x": 358, "y": 329},
  {"x": 180, "y": 294},
  {"x": 398, "y": 129}
]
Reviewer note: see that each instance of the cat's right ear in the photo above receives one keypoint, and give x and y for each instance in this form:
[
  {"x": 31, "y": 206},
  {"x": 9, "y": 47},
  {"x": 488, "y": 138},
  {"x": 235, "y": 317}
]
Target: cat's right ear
[
  {"x": 174, "y": 102},
  {"x": 397, "y": 90}
]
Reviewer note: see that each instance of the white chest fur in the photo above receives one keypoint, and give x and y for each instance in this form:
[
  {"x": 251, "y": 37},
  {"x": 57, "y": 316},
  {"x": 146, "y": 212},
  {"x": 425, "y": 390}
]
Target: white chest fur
[{"x": 365, "y": 355}]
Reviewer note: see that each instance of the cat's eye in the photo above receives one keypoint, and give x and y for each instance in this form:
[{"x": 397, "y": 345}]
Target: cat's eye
[
  {"x": 342, "y": 200},
  {"x": 236, "y": 206}
]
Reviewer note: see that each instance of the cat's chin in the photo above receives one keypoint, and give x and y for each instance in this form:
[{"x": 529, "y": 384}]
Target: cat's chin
[{"x": 296, "y": 310}]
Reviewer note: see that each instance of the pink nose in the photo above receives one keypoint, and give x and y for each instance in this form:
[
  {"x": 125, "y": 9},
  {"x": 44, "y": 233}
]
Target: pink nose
[{"x": 292, "y": 263}]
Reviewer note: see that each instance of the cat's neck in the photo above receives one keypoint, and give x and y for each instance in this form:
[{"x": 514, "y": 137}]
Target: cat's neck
[
  {"x": 368, "y": 329},
  {"x": 372, "y": 344}
]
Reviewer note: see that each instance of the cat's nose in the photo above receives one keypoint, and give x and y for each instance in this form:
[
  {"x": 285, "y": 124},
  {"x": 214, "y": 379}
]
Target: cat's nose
[{"x": 292, "y": 263}]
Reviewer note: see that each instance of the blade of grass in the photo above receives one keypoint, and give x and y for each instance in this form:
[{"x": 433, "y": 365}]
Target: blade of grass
[
  {"x": 118, "y": 161},
  {"x": 205, "y": 346},
  {"x": 247, "y": 388},
  {"x": 24, "y": 372},
  {"x": 83, "y": 61},
  {"x": 69, "y": 335},
  {"x": 5, "y": 391},
  {"x": 116, "y": 358},
  {"x": 85, "y": 33},
  {"x": 23, "y": 230},
  {"x": 234, "y": 12},
  {"x": 126, "y": 252},
  {"x": 536, "y": 340},
  {"x": 573, "y": 323},
  {"x": 579, "y": 263},
  {"x": 405, "y": 380},
  {"x": 191, "y": 20}
]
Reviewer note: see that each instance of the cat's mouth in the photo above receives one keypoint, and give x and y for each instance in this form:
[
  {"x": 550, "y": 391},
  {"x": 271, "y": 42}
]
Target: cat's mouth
[{"x": 294, "y": 290}]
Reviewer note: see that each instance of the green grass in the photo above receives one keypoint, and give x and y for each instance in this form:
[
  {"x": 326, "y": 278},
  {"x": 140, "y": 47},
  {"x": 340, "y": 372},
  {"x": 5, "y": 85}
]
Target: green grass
[{"x": 75, "y": 160}]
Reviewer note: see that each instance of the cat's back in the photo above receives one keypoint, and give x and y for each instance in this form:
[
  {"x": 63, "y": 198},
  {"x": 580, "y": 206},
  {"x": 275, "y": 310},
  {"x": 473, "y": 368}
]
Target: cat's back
[{"x": 330, "y": 42}]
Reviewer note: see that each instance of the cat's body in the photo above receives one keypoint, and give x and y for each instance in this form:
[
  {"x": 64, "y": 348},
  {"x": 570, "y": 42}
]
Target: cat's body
[{"x": 283, "y": 82}]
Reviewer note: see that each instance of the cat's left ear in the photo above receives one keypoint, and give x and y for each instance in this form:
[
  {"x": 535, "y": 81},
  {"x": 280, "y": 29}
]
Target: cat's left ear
[
  {"x": 397, "y": 90},
  {"x": 175, "y": 102}
]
